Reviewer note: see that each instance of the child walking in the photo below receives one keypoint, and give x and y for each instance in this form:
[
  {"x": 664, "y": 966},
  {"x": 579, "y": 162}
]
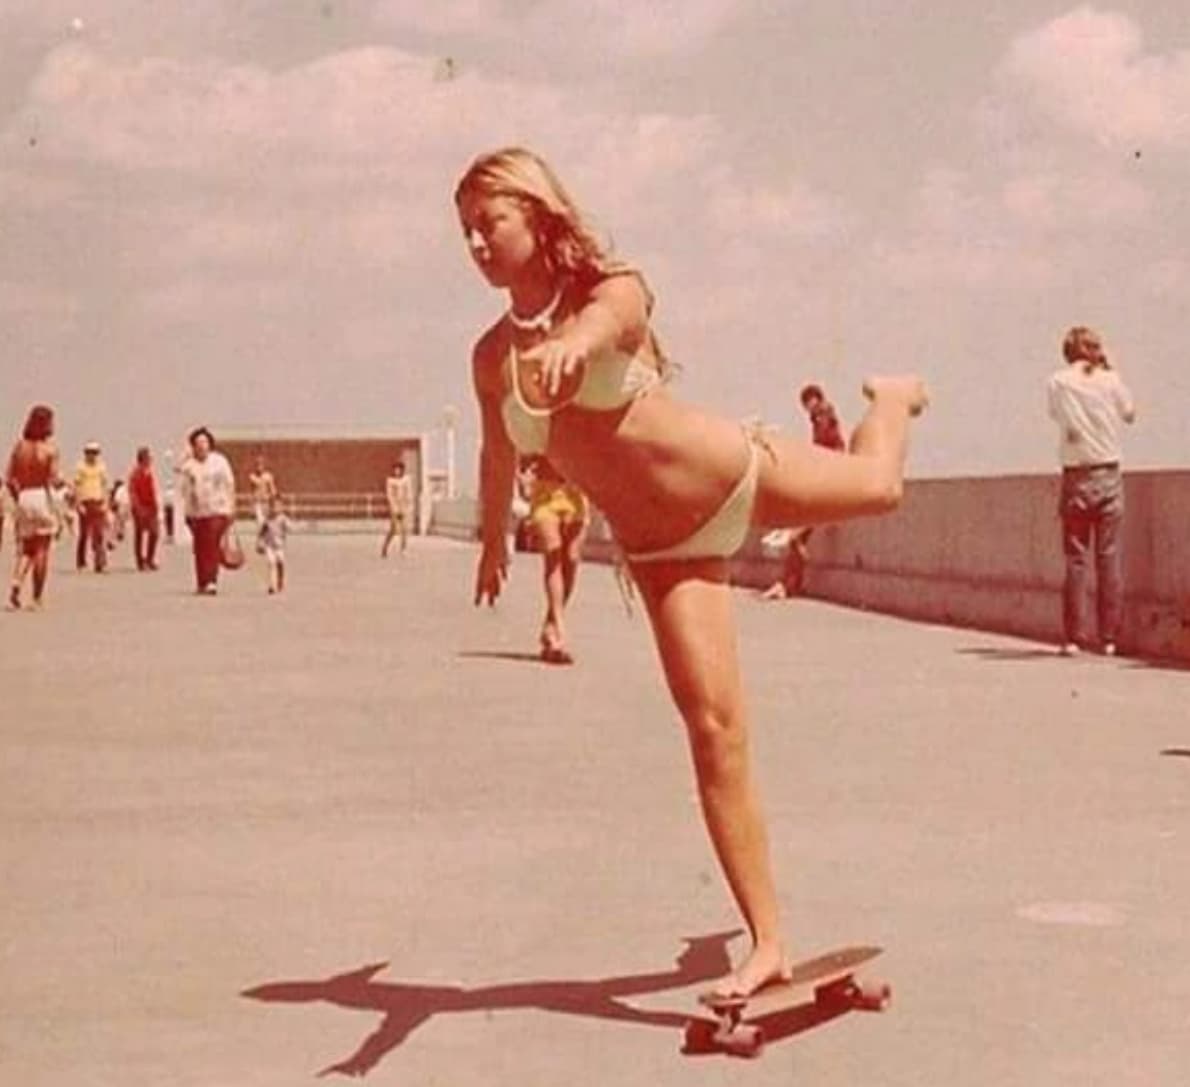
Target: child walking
[{"x": 273, "y": 533}]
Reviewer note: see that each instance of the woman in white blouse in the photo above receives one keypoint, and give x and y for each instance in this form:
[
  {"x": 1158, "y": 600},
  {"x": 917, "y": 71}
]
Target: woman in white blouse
[{"x": 209, "y": 499}]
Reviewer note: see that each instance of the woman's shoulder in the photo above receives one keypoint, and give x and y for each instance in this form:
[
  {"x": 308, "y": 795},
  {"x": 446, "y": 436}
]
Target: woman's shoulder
[
  {"x": 487, "y": 357},
  {"x": 619, "y": 276}
]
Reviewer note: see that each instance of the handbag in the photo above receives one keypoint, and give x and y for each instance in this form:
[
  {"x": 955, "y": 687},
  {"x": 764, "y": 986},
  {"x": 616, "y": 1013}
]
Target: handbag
[{"x": 231, "y": 552}]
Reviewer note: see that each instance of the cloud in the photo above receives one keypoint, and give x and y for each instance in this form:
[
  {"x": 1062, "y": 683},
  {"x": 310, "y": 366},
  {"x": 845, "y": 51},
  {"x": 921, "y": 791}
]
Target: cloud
[
  {"x": 611, "y": 31},
  {"x": 349, "y": 160},
  {"x": 1088, "y": 71},
  {"x": 963, "y": 230},
  {"x": 1074, "y": 200},
  {"x": 783, "y": 213},
  {"x": 444, "y": 16}
]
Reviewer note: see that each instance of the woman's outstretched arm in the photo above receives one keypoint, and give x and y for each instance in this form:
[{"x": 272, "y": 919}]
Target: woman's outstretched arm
[
  {"x": 614, "y": 316},
  {"x": 497, "y": 471}
]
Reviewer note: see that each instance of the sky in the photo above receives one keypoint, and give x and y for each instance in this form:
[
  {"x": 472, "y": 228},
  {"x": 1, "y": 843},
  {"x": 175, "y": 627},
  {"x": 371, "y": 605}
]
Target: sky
[{"x": 239, "y": 212}]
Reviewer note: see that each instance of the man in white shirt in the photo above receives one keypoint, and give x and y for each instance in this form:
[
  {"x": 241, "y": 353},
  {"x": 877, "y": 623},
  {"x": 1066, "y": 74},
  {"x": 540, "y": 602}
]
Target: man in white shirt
[{"x": 1089, "y": 402}]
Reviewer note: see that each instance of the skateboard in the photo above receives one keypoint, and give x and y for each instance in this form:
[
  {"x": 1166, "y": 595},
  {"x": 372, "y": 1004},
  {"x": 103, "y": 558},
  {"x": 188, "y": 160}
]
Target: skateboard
[{"x": 828, "y": 981}]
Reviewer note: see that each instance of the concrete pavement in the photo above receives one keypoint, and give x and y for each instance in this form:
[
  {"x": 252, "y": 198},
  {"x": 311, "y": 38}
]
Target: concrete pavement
[{"x": 218, "y": 817}]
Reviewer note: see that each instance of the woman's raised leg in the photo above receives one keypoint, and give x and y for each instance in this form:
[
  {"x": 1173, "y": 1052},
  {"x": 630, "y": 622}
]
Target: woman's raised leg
[
  {"x": 689, "y": 604},
  {"x": 801, "y": 484}
]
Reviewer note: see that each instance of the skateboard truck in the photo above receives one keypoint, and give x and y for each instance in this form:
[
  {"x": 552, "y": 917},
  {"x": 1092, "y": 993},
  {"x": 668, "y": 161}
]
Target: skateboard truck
[{"x": 829, "y": 981}]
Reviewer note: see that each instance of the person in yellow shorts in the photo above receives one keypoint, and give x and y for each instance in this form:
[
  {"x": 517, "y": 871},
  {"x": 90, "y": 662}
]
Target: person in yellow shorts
[{"x": 559, "y": 514}]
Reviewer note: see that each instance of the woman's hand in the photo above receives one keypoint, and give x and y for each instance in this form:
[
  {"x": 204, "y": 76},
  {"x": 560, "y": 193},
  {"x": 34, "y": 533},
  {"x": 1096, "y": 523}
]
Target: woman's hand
[
  {"x": 556, "y": 360},
  {"x": 492, "y": 572}
]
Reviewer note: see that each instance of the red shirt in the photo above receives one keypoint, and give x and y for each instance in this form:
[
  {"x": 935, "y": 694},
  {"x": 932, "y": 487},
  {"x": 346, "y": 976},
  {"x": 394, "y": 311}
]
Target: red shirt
[
  {"x": 825, "y": 424},
  {"x": 142, "y": 486}
]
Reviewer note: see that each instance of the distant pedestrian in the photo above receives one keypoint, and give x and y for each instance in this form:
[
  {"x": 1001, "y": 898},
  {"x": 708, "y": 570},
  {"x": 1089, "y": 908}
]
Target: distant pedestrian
[
  {"x": 91, "y": 507},
  {"x": 1088, "y": 400},
  {"x": 63, "y": 495},
  {"x": 209, "y": 497},
  {"x": 169, "y": 491},
  {"x": 826, "y": 432},
  {"x": 119, "y": 513},
  {"x": 398, "y": 490},
  {"x": 32, "y": 472},
  {"x": 146, "y": 510},
  {"x": 273, "y": 534},
  {"x": 560, "y": 515},
  {"x": 264, "y": 489}
]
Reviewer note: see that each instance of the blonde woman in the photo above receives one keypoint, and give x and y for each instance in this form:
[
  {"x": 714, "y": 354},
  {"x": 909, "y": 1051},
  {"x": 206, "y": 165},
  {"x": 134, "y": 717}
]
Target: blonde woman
[{"x": 572, "y": 371}]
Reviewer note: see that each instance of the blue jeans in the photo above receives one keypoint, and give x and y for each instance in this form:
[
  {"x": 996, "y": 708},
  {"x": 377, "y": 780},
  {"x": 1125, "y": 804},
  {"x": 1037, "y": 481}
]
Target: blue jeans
[{"x": 1092, "y": 511}]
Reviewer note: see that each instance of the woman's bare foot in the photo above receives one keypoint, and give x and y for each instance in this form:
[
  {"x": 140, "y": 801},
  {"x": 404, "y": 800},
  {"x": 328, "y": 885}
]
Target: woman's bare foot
[
  {"x": 908, "y": 388},
  {"x": 553, "y": 645},
  {"x": 766, "y": 963}
]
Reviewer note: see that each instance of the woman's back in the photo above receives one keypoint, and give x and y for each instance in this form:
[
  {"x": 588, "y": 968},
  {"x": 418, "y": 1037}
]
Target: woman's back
[{"x": 32, "y": 463}]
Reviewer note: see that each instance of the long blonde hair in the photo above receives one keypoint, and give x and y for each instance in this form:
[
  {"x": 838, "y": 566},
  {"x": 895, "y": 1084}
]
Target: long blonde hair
[{"x": 569, "y": 242}]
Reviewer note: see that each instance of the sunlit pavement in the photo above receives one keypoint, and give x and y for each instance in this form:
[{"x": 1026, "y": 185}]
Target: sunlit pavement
[{"x": 219, "y": 817}]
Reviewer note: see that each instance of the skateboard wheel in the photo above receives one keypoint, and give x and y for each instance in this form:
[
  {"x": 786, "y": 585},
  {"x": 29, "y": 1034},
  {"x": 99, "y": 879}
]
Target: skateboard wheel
[
  {"x": 873, "y": 996},
  {"x": 746, "y": 1040}
]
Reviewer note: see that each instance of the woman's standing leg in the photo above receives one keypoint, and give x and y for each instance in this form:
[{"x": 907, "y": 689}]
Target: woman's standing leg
[
  {"x": 689, "y": 605},
  {"x": 41, "y": 567},
  {"x": 206, "y": 557},
  {"x": 219, "y": 525},
  {"x": 549, "y": 535},
  {"x": 20, "y": 566},
  {"x": 573, "y": 535}
]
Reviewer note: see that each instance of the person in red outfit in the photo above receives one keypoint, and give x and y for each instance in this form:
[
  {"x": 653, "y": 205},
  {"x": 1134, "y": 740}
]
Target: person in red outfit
[
  {"x": 826, "y": 432},
  {"x": 146, "y": 510}
]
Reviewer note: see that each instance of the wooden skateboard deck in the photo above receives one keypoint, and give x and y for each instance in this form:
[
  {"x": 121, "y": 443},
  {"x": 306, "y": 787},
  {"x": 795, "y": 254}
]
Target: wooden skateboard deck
[{"x": 828, "y": 981}]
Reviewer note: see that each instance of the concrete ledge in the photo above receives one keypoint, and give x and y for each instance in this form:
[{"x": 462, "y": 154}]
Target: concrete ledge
[{"x": 979, "y": 553}]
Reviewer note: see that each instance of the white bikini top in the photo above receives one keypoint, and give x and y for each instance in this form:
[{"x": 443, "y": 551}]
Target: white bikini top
[{"x": 608, "y": 382}]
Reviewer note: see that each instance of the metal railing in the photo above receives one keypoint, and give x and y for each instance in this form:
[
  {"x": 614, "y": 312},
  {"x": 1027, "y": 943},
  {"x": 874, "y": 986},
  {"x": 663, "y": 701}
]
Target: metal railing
[{"x": 325, "y": 506}]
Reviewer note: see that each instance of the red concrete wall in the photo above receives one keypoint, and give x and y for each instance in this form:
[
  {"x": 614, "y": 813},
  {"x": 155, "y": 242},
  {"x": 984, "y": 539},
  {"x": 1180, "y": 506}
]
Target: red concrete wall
[{"x": 322, "y": 466}]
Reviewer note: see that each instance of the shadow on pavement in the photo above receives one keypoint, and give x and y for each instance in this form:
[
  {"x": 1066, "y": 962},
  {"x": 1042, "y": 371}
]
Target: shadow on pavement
[
  {"x": 1002, "y": 653},
  {"x": 998, "y": 653},
  {"x": 500, "y": 655},
  {"x": 1160, "y": 664},
  {"x": 405, "y": 1007}
]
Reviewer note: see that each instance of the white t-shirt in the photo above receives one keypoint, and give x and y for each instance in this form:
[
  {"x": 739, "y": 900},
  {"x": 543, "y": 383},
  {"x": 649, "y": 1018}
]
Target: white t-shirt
[{"x": 1088, "y": 409}]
